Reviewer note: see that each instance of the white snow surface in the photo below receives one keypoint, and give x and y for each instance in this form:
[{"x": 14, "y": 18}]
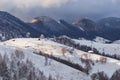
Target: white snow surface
[
  {"x": 101, "y": 40},
  {"x": 116, "y": 42},
  {"x": 54, "y": 68},
  {"x": 66, "y": 73},
  {"x": 110, "y": 49}
]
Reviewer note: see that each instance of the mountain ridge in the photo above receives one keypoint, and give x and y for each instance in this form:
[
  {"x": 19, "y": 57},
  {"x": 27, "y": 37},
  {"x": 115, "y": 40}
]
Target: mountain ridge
[{"x": 12, "y": 27}]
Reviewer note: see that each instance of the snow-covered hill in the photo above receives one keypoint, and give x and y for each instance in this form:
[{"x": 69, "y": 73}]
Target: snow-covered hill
[
  {"x": 57, "y": 70},
  {"x": 63, "y": 60},
  {"x": 109, "y": 49},
  {"x": 101, "y": 40},
  {"x": 116, "y": 42}
]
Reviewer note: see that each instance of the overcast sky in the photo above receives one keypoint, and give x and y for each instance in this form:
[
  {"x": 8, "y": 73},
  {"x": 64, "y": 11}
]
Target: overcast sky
[{"x": 61, "y": 9}]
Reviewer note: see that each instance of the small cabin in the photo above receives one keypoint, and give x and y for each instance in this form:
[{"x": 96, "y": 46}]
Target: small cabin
[{"x": 91, "y": 51}]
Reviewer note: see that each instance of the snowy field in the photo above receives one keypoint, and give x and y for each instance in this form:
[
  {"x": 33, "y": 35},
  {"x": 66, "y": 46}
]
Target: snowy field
[
  {"x": 101, "y": 47},
  {"x": 29, "y": 45}
]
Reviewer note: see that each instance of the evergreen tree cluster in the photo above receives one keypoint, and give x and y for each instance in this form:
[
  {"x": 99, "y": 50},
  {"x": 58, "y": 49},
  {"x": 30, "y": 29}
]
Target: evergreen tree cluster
[{"x": 15, "y": 68}]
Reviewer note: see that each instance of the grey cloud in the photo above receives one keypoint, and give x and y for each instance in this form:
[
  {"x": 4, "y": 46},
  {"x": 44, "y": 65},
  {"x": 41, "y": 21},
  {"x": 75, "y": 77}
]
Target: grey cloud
[{"x": 65, "y": 9}]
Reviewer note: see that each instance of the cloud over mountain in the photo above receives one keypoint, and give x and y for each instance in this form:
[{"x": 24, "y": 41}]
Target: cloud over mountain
[
  {"x": 67, "y": 9},
  {"x": 35, "y": 3}
]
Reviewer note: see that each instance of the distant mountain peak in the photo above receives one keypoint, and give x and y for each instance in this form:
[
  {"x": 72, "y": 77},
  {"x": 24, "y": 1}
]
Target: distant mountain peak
[
  {"x": 3, "y": 13},
  {"x": 86, "y": 24},
  {"x": 112, "y": 19},
  {"x": 83, "y": 20},
  {"x": 11, "y": 26},
  {"x": 41, "y": 18},
  {"x": 111, "y": 22},
  {"x": 62, "y": 21}
]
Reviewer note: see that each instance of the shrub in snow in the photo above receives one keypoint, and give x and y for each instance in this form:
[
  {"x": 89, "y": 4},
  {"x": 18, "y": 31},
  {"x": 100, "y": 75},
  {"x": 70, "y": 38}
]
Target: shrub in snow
[
  {"x": 39, "y": 39},
  {"x": 71, "y": 51},
  {"x": 99, "y": 76},
  {"x": 63, "y": 51},
  {"x": 3, "y": 38},
  {"x": 28, "y": 34},
  {"x": 116, "y": 75},
  {"x": 46, "y": 60},
  {"x": 88, "y": 65},
  {"x": 42, "y": 36},
  {"x": 13, "y": 40},
  {"x": 102, "y": 59},
  {"x": 88, "y": 62},
  {"x": 84, "y": 56},
  {"x": 19, "y": 53}
]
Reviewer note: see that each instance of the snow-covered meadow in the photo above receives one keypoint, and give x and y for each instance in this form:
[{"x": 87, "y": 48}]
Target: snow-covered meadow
[{"x": 93, "y": 62}]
